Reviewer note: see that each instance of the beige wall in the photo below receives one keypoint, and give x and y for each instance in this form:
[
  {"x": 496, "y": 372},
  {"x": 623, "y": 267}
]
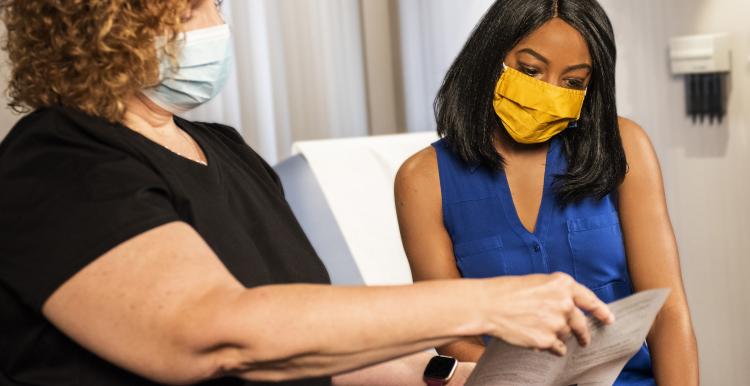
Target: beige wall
[
  {"x": 706, "y": 167},
  {"x": 382, "y": 66},
  {"x": 709, "y": 169}
]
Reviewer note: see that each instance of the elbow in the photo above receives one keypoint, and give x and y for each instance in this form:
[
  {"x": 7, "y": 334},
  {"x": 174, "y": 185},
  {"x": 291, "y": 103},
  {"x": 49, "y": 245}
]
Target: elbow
[
  {"x": 243, "y": 364},
  {"x": 222, "y": 340},
  {"x": 675, "y": 315},
  {"x": 186, "y": 364},
  {"x": 178, "y": 370},
  {"x": 673, "y": 324}
]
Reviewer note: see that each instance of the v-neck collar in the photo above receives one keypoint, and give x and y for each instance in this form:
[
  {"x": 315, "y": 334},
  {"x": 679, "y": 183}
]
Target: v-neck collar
[
  {"x": 190, "y": 130},
  {"x": 509, "y": 207}
]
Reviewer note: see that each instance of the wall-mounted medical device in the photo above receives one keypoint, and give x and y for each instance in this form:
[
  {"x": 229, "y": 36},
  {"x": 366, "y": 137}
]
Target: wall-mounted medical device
[{"x": 705, "y": 61}]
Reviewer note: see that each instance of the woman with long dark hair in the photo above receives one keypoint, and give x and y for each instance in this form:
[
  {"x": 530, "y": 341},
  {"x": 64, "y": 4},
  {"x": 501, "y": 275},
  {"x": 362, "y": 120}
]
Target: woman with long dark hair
[{"x": 536, "y": 173}]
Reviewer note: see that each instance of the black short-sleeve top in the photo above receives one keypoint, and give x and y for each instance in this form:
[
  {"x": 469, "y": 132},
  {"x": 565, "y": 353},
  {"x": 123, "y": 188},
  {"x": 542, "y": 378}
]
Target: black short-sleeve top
[{"x": 73, "y": 187}]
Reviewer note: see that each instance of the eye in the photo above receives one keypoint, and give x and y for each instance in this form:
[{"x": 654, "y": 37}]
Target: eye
[
  {"x": 578, "y": 84},
  {"x": 530, "y": 71}
]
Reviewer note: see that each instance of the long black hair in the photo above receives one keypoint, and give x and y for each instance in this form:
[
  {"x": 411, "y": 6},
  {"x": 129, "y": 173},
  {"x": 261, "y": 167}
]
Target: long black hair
[{"x": 466, "y": 117}]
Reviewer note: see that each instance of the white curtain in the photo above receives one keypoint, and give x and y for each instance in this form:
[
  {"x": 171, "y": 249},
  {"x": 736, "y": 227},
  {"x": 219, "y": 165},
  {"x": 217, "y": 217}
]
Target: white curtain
[
  {"x": 432, "y": 34},
  {"x": 298, "y": 74}
]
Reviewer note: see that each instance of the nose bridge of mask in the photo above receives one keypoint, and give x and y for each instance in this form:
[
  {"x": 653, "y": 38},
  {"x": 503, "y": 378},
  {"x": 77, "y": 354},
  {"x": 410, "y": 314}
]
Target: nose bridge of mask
[
  {"x": 547, "y": 101},
  {"x": 204, "y": 46},
  {"x": 214, "y": 33}
]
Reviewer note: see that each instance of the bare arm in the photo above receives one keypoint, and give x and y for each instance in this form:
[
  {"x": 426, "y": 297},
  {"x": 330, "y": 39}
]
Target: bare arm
[
  {"x": 426, "y": 241},
  {"x": 163, "y": 306},
  {"x": 653, "y": 259}
]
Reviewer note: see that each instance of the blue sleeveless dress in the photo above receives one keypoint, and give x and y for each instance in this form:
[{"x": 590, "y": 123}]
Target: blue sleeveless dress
[{"x": 583, "y": 240}]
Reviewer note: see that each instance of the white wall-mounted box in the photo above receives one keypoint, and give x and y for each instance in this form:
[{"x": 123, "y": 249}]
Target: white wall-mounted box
[{"x": 700, "y": 54}]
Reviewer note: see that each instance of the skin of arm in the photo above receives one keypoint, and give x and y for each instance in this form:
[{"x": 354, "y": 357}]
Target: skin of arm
[
  {"x": 163, "y": 306},
  {"x": 427, "y": 244},
  {"x": 653, "y": 259}
]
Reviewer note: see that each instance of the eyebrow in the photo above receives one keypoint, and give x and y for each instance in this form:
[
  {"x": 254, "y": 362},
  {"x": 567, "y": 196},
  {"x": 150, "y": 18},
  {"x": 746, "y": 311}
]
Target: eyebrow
[{"x": 544, "y": 60}]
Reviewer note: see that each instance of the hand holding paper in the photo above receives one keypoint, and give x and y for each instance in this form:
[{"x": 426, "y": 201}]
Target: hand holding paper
[{"x": 597, "y": 364}]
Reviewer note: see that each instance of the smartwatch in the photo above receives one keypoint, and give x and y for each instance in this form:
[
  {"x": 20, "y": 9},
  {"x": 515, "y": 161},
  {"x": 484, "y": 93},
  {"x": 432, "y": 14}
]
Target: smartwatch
[{"x": 440, "y": 370}]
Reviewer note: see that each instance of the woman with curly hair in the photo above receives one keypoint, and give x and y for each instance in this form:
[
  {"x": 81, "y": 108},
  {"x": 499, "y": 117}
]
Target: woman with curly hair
[{"x": 138, "y": 248}]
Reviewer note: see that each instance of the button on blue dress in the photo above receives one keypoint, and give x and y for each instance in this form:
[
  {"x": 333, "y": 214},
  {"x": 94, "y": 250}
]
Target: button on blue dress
[{"x": 583, "y": 240}]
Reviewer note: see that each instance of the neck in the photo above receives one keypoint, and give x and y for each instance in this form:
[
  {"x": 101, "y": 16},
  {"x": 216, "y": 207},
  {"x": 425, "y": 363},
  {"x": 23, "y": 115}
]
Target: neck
[{"x": 143, "y": 115}]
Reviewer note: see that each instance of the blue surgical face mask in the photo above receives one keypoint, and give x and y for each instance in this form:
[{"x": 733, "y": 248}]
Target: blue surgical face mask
[{"x": 204, "y": 64}]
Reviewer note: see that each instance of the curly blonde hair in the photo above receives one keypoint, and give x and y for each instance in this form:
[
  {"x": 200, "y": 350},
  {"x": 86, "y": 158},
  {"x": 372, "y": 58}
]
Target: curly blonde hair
[{"x": 87, "y": 54}]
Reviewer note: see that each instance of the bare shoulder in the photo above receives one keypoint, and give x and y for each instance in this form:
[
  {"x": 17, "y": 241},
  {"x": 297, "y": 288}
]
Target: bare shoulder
[
  {"x": 635, "y": 140},
  {"x": 417, "y": 186},
  {"x": 643, "y": 163},
  {"x": 420, "y": 171}
]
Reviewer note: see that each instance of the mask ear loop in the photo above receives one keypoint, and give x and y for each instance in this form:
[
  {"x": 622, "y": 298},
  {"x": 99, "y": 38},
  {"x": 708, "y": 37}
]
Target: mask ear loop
[{"x": 505, "y": 67}]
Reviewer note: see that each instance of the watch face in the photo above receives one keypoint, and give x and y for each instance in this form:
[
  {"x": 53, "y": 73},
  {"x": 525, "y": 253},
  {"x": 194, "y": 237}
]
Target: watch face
[{"x": 440, "y": 367}]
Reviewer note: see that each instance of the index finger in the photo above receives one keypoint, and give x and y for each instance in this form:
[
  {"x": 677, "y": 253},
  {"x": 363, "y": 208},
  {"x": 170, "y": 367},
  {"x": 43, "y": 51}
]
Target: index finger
[{"x": 587, "y": 301}]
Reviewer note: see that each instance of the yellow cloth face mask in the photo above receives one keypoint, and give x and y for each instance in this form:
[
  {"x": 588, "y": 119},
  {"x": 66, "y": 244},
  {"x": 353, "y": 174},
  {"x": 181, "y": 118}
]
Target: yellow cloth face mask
[{"x": 533, "y": 111}]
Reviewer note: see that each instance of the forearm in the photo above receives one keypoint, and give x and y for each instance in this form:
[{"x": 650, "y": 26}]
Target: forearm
[
  {"x": 298, "y": 331},
  {"x": 318, "y": 365},
  {"x": 674, "y": 350}
]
